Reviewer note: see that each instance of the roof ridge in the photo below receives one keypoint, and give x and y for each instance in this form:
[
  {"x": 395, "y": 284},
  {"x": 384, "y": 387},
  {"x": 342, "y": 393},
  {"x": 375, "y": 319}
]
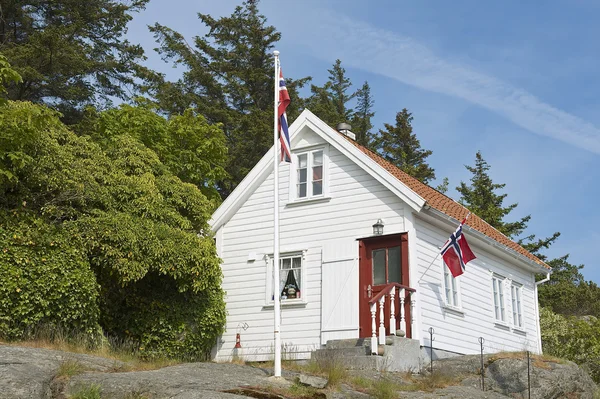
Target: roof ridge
[{"x": 447, "y": 205}]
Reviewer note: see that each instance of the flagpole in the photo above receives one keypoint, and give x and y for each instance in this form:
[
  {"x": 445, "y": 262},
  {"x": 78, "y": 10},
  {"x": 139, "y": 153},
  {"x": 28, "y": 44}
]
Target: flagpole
[{"x": 276, "y": 293}]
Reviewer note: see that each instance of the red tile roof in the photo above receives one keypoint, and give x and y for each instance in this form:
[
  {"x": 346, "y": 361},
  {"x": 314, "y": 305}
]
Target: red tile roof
[{"x": 447, "y": 205}]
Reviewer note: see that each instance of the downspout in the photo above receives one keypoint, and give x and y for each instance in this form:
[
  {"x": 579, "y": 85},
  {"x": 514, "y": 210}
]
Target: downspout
[{"x": 537, "y": 312}]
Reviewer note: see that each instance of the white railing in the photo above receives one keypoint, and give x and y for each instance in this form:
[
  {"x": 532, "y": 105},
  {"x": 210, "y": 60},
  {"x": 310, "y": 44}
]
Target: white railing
[{"x": 389, "y": 291}]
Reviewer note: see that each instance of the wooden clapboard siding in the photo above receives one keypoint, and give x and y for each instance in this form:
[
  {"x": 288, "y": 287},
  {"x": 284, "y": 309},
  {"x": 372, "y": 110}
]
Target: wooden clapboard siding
[
  {"x": 459, "y": 332},
  {"x": 320, "y": 228}
]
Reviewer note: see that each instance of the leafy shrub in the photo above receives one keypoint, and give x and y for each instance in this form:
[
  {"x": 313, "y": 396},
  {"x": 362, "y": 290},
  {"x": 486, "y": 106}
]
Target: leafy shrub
[
  {"x": 44, "y": 279},
  {"x": 98, "y": 230},
  {"x": 572, "y": 338}
]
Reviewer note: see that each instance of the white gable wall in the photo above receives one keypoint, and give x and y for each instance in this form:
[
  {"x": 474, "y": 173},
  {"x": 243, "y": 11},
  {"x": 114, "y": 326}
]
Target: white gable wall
[
  {"x": 327, "y": 231},
  {"x": 459, "y": 331}
]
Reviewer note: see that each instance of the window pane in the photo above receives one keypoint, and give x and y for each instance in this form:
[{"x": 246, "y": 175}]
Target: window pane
[
  {"x": 302, "y": 175},
  {"x": 447, "y": 285},
  {"x": 454, "y": 292},
  {"x": 302, "y": 161},
  {"x": 286, "y": 263},
  {"x": 379, "y": 267},
  {"x": 302, "y": 190},
  {"x": 296, "y": 262},
  {"x": 394, "y": 266},
  {"x": 317, "y": 173},
  {"x": 501, "y": 299},
  {"x": 318, "y": 188},
  {"x": 318, "y": 158}
]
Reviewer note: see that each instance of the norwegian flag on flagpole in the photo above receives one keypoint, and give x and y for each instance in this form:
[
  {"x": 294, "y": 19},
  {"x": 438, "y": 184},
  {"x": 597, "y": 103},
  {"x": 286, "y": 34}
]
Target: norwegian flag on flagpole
[
  {"x": 284, "y": 136},
  {"x": 456, "y": 251}
]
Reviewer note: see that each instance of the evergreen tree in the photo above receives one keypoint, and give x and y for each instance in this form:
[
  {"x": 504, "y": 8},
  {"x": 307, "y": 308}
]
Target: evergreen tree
[
  {"x": 361, "y": 122},
  {"x": 229, "y": 80},
  {"x": 443, "y": 186},
  {"x": 567, "y": 292},
  {"x": 400, "y": 146},
  {"x": 481, "y": 198},
  {"x": 70, "y": 53},
  {"x": 329, "y": 102}
]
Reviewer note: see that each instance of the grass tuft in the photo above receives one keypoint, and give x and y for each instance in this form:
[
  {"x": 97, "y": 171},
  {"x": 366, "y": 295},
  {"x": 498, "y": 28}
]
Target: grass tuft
[
  {"x": 88, "y": 392},
  {"x": 384, "y": 388},
  {"x": 330, "y": 366},
  {"x": 69, "y": 368}
]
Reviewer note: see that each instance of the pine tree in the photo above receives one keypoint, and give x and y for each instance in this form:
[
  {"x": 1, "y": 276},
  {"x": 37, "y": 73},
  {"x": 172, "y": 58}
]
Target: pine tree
[
  {"x": 481, "y": 198},
  {"x": 400, "y": 146},
  {"x": 229, "y": 80},
  {"x": 329, "y": 102},
  {"x": 70, "y": 53},
  {"x": 361, "y": 122}
]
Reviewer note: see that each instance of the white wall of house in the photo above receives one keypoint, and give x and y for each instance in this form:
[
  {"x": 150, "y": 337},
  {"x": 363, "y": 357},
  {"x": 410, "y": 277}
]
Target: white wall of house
[
  {"x": 327, "y": 232},
  {"x": 458, "y": 330}
]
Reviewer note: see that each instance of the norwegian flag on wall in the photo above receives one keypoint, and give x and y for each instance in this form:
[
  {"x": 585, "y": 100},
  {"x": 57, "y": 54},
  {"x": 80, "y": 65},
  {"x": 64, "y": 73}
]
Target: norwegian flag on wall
[
  {"x": 284, "y": 136},
  {"x": 456, "y": 251}
]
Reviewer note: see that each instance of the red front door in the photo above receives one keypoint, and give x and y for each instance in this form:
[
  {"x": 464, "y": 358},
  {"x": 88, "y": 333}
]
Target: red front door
[{"x": 383, "y": 260}]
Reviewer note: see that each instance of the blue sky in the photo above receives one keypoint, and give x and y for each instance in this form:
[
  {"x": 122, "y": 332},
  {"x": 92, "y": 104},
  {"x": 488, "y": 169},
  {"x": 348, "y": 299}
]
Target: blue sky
[{"x": 516, "y": 80}]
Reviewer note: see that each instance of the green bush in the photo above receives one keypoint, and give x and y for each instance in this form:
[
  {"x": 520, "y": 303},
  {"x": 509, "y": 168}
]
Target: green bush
[
  {"x": 44, "y": 279},
  {"x": 572, "y": 338},
  {"x": 97, "y": 230}
]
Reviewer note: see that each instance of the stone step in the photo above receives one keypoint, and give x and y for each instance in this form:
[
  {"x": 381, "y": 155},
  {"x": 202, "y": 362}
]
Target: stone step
[
  {"x": 341, "y": 352},
  {"x": 348, "y": 343}
]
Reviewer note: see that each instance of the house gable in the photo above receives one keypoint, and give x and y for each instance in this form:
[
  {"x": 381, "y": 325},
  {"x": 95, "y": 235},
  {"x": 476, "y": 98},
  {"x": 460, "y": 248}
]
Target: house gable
[{"x": 306, "y": 131}]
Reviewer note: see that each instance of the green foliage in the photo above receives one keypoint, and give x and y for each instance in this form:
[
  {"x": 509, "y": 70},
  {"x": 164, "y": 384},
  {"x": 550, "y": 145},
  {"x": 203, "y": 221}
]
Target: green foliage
[
  {"x": 70, "y": 52},
  {"x": 567, "y": 292},
  {"x": 400, "y": 146},
  {"x": 329, "y": 102},
  {"x": 228, "y": 79},
  {"x": 481, "y": 198},
  {"x": 68, "y": 368},
  {"x": 7, "y": 76},
  {"x": 125, "y": 223},
  {"x": 192, "y": 149},
  {"x": 361, "y": 121},
  {"x": 572, "y": 338},
  {"x": 44, "y": 278},
  {"x": 443, "y": 186},
  {"x": 92, "y": 391}
]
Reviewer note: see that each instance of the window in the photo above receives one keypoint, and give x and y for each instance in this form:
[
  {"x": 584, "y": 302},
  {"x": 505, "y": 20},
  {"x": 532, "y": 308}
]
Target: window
[
  {"x": 290, "y": 277},
  {"x": 387, "y": 265},
  {"x": 516, "y": 291},
  {"x": 450, "y": 288},
  {"x": 310, "y": 174},
  {"x": 498, "y": 291}
]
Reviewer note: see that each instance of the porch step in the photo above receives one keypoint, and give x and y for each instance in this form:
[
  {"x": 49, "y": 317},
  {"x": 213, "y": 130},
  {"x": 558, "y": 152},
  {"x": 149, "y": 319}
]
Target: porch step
[
  {"x": 348, "y": 343},
  {"x": 400, "y": 354},
  {"x": 342, "y": 352}
]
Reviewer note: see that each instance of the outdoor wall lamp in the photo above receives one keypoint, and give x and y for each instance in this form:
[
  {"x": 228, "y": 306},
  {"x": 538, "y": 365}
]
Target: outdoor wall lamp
[{"x": 378, "y": 228}]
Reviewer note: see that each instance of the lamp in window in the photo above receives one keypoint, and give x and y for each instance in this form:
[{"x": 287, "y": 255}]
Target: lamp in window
[{"x": 378, "y": 228}]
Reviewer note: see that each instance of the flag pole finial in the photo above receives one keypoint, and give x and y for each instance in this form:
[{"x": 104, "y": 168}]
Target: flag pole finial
[{"x": 276, "y": 53}]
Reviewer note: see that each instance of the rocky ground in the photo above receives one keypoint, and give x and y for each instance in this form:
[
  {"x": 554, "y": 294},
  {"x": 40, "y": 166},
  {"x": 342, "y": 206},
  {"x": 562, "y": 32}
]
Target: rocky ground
[{"x": 41, "y": 373}]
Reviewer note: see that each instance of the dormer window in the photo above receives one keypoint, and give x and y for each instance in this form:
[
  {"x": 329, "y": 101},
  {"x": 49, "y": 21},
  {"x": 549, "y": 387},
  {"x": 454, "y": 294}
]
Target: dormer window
[{"x": 310, "y": 174}]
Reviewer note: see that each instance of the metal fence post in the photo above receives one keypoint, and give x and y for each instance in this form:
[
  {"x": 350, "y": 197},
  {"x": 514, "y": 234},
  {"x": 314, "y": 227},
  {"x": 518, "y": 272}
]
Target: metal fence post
[
  {"x": 528, "y": 377},
  {"x": 481, "y": 341},
  {"x": 431, "y": 331}
]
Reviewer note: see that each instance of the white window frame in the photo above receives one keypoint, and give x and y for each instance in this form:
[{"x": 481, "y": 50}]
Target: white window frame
[
  {"x": 516, "y": 296},
  {"x": 293, "y": 187},
  {"x": 499, "y": 299},
  {"x": 269, "y": 299},
  {"x": 452, "y": 285}
]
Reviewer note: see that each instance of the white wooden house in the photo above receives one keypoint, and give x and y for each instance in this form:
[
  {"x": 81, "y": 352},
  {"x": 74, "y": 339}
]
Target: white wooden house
[{"x": 330, "y": 197}]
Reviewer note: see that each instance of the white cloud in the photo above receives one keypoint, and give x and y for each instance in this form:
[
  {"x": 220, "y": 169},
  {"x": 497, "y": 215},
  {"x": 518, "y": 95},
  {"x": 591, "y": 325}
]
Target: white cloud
[{"x": 363, "y": 46}]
